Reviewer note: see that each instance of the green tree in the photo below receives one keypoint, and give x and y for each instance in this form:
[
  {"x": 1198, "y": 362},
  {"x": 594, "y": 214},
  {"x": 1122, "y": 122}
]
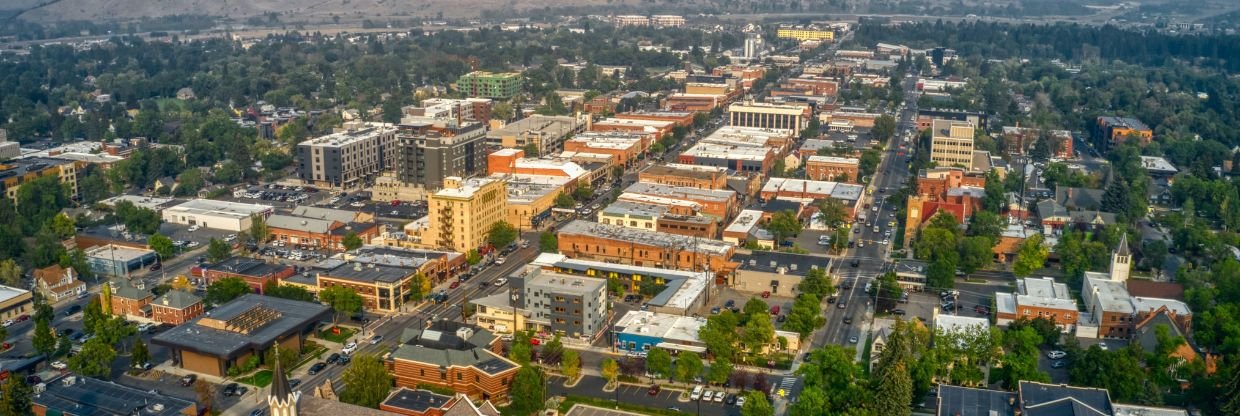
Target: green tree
[
  {"x": 719, "y": 335},
  {"x": 189, "y": 182},
  {"x": 817, "y": 283},
  {"x": 548, "y": 242},
  {"x": 719, "y": 371},
  {"x": 63, "y": 226},
  {"x": 92, "y": 315},
  {"x": 139, "y": 355},
  {"x": 531, "y": 150},
  {"x": 218, "y": 250},
  {"x": 501, "y": 234},
  {"x": 113, "y": 329},
  {"x": 224, "y": 290},
  {"x": 784, "y": 225},
  {"x": 887, "y": 291},
  {"x": 975, "y": 253},
  {"x": 610, "y": 370},
  {"x": 570, "y": 364},
  {"x": 274, "y": 289},
  {"x": 583, "y": 192},
  {"x": 38, "y": 201},
  {"x": 527, "y": 392},
  {"x": 805, "y": 315},
  {"x": 754, "y": 306},
  {"x": 986, "y": 224},
  {"x": 659, "y": 363},
  {"x": 472, "y": 257},
  {"x": 391, "y": 115},
  {"x": 76, "y": 260},
  {"x": 15, "y": 397},
  {"x": 1031, "y": 256},
  {"x": 884, "y": 128},
  {"x": 351, "y": 241},
  {"x": 162, "y": 245},
  {"x": 94, "y": 360},
  {"x": 832, "y": 212},
  {"x": 44, "y": 341},
  {"x": 10, "y": 273},
  {"x": 135, "y": 218},
  {"x": 342, "y": 300},
  {"x": 366, "y": 381},
  {"x": 757, "y": 405},
  {"x": 893, "y": 389},
  {"x": 869, "y": 163},
  {"x": 521, "y": 352},
  {"x": 941, "y": 274},
  {"x": 759, "y": 331},
  {"x": 688, "y": 366},
  {"x": 564, "y": 200},
  {"x": 502, "y": 111},
  {"x": 258, "y": 228}
]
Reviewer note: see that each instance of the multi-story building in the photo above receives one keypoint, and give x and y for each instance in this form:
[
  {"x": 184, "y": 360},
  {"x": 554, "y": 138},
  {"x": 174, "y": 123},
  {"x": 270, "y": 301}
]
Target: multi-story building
[
  {"x": 786, "y": 188},
  {"x": 75, "y": 395},
  {"x": 477, "y": 110},
  {"x": 462, "y": 213},
  {"x": 630, "y": 20},
  {"x": 570, "y": 306},
  {"x": 651, "y": 129},
  {"x": 951, "y": 143},
  {"x": 497, "y": 85},
  {"x": 804, "y": 33},
  {"x": 667, "y": 20},
  {"x": 546, "y": 133},
  {"x": 640, "y": 331},
  {"x": 622, "y": 148},
  {"x": 719, "y": 204},
  {"x": 831, "y": 168},
  {"x": 347, "y": 159},
  {"x": 1107, "y": 299},
  {"x": 1018, "y": 140},
  {"x": 314, "y": 233},
  {"x": 456, "y": 356},
  {"x": 814, "y": 85},
  {"x": 14, "y": 173},
  {"x": 8, "y": 150},
  {"x": 429, "y": 153},
  {"x": 1116, "y": 130},
  {"x": 778, "y": 140},
  {"x": 384, "y": 288},
  {"x": 681, "y": 118},
  {"x": 683, "y": 101},
  {"x": 672, "y": 219},
  {"x": 1038, "y": 298},
  {"x": 56, "y": 283},
  {"x": 176, "y": 307},
  {"x": 685, "y": 292},
  {"x": 615, "y": 243},
  {"x": 689, "y": 176},
  {"x": 532, "y": 197},
  {"x": 768, "y": 116},
  {"x": 126, "y": 300},
  {"x": 15, "y": 302},
  {"x": 753, "y": 159},
  {"x": 255, "y": 272}
]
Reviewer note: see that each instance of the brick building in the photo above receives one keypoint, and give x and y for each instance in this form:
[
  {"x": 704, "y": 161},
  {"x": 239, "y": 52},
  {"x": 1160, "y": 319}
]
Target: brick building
[
  {"x": 255, "y": 272},
  {"x": 126, "y": 300},
  {"x": 1038, "y": 298},
  {"x": 830, "y": 168},
  {"x": 614, "y": 243},
  {"x": 690, "y": 176},
  {"x": 176, "y": 307},
  {"x": 456, "y": 356},
  {"x": 315, "y": 233}
]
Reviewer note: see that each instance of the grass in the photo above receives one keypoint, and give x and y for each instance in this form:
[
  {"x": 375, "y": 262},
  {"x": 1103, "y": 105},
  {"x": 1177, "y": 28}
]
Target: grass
[
  {"x": 313, "y": 351},
  {"x": 572, "y": 400},
  {"x": 259, "y": 379},
  {"x": 341, "y": 338}
]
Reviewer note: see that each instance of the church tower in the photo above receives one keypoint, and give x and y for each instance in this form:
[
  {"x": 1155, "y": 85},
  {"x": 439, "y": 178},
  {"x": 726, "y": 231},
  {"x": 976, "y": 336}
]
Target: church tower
[
  {"x": 1121, "y": 261},
  {"x": 283, "y": 399}
]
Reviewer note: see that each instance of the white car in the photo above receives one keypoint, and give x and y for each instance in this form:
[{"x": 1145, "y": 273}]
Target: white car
[
  {"x": 193, "y": 244},
  {"x": 499, "y": 260},
  {"x": 740, "y": 401},
  {"x": 696, "y": 393},
  {"x": 349, "y": 348},
  {"x": 8, "y": 323},
  {"x": 59, "y": 365},
  {"x": 193, "y": 228},
  {"x": 357, "y": 205},
  {"x": 1055, "y": 355},
  {"x": 230, "y": 237},
  {"x": 501, "y": 281},
  {"x": 719, "y": 396},
  {"x": 145, "y": 327}
]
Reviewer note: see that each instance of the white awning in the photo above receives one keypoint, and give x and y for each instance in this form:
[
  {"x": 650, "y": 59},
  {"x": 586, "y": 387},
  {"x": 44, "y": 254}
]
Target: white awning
[{"x": 681, "y": 347}]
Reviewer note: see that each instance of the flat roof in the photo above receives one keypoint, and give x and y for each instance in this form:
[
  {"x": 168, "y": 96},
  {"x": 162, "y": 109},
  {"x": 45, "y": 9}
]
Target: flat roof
[
  {"x": 655, "y": 238},
  {"x": 661, "y": 325},
  {"x": 309, "y": 225},
  {"x": 8, "y": 292},
  {"x": 1144, "y": 304},
  {"x": 833, "y": 189},
  {"x": 613, "y": 140},
  {"x": 727, "y": 152},
  {"x": 744, "y": 222},
  {"x": 1111, "y": 294},
  {"x": 952, "y": 323},
  {"x": 71, "y": 394},
  {"x": 467, "y": 189},
  {"x": 768, "y": 108},
  {"x": 774, "y": 261},
  {"x": 836, "y": 160},
  {"x": 570, "y": 168},
  {"x": 416, "y": 400},
  {"x": 220, "y": 208},
  {"x": 369, "y": 273},
  {"x": 688, "y": 171},
  {"x": 351, "y": 136},
  {"x": 247, "y": 266},
  {"x": 635, "y": 209},
  {"x": 968, "y": 401},
  {"x": 1044, "y": 292},
  {"x": 1157, "y": 164},
  {"x": 561, "y": 283},
  {"x": 680, "y": 192},
  {"x": 119, "y": 253},
  {"x": 151, "y": 203},
  {"x": 538, "y": 124},
  {"x": 194, "y": 336}
]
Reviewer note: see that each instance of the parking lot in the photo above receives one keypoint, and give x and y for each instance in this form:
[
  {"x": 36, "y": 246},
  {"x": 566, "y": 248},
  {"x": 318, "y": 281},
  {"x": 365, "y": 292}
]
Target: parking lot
[
  {"x": 284, "y": 196},
  {"x": 727, "y": 294}
]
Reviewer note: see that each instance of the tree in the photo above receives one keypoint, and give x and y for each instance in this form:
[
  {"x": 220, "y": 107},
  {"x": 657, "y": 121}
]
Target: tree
[
  {"x": 135, "y": 218},
  {"x": 719, "y": 370},
  {"x": 366, "y": 381},
  {"x": 805, "y": 315},
  {"x": 63, "y": 226},
  {"x": 502, "y": 111},
  {"x": 548, "y": 242},
  {"x": 218, "y": 250},
  {"x": 113, "y": 329},
  {"x": 659, "y": 363},
  {"x": 884, "y": 128},
  {"x": 610, "y": 370},
  {"x": 162, "y": 245},
  {"x": 757, "y": 405},
  {"x": 941, "y": 274},
  {"x": 521, "y": 352},
  {"x": 38, "y": 201},
  {"x": 472, "y": 257},
  {"x": 688, "y": 366},
  {"x": 1031, "y": 256},
  {"x": 817, "y": 283},
  {"x": 258, "y": 228},
  {"x": 15, "y": 397},
  {"x": 10, "y": 273},
  {"x": 342, "y": 300},
  {"x": 44, "y": 341},
  {"x": 986, "y": 224},
  {"x": 570, "y": 364},
  {"x": 274, "y": 289},
  {"x": 975, "y": 253},
  {"x": 784, "y": 225},
  {"x": 183, "y": 284},
  {"x": 893, "y": 389},
  {"x": 527, "y": 392},
  {"x": 224, "y": 290},
  {"x": 552, "y": 351},
  {"x": 531, "y": 150},
  {"x": 564, "y": 200},
  {"x": 140, "y": 355},
  {"x": 94, "y": 360},
  {"x": 719, "y": 335},
  {"x": 869, "y": 162},
  {"x": 76, "y": 260},
  {"x": 887, "y": 291},
  {"x": 351, "y": 241},
  {"x": 92, "y": 315},
  {"x": 832, "y": 212},
  {"x": 754, "y": 306},
  {"x": 759, "y": 331},
  {"x": 501, "y": 234},
  {"x": 583, "y": 192}
]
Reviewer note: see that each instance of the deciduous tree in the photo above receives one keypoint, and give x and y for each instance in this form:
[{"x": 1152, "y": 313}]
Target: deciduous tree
[
  {"x": 528, "y": 391},
  {"x": 366, "y": 381},
  {"x": 224, "y": 290}
]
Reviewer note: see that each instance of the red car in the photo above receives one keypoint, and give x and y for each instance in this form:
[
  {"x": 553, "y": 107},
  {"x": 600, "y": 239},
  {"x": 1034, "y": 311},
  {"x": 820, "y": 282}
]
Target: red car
[
  {"x": 654, "y": 390},
  {"x": 535, "y": 341},
  {"x": 766, "y": 294},
  {"x": 454, "y": 285}
]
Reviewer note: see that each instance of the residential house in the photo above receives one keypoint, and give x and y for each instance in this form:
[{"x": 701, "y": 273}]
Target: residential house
[{"x": 56, "y": 283}]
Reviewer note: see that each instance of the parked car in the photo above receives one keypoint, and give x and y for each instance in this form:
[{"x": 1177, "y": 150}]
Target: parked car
[
  {"x": 696, "y": 393},
  {"x": 730, "y": 400},
  {"x": 1055, "y": 355},
  {"x": 230, "y": 389},
  {"x": 349, "y": 348},
  {"x": 317, "y": 367},
  {"x": 189, "y": 380},
  {"x": 719, "y": 396},
  {"x": 654, "y": 390},
  {"x": 156, "y": 266},
  {"x": 73, "y": 309},
  {"x": 740, "y": 401},
  {"x": 1059, "y": 364},
  {"x": 376, "y": 339},
  {"x": 331, "y": 359},
  {"x": 8, "y": 323},
  {"x": 852, "y": 340},
  {"x": 59, "y": 365},
  {"x": 455, "y": 285}
]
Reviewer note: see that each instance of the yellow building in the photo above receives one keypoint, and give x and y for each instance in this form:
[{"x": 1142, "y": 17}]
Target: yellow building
[
  {"x": 805, "y": 34},
  {"x": 496, "y": 313},
  {"x": 951, "y": 143},
  {"x": 19, "y": 171},
  {"x": 768, "y": 116},
  {"x": 531, "y": 197},
  {"x": 463, "y": 212}
]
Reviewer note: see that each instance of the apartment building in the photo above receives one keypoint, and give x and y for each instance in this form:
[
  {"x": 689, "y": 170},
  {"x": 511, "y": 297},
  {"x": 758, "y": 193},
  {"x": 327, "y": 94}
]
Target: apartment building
[
  {"x": 630, "y": 20},
  {"x": 804, "y": 33},
  {"x": 476, "y": 110},
  {"x": 831, "y": 168},
  {"x": 14, "y": 173},
  {"x": 570, "y": 306},
  {"x": 429, "y": 153},
  {"x": 347, "y": 159},
  {"x": 496, "y": 85},
  {"x": 615, "y": 243},
  {"x": 545, "y": 133},
  {"x": 667, "y": 20},
  {"x": 951, "y": 143},
  {"x": 1116, "y": 130},
  {"x": 462, "y": 213},
  {"x": 768, "y": 116}
]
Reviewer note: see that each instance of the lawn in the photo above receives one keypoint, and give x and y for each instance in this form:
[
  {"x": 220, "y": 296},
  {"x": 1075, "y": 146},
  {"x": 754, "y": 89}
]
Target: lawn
[
  {"x": 312, "y": 351},
  {"x": 342, "y": 337},
  {"x": 259, "y": 379}
]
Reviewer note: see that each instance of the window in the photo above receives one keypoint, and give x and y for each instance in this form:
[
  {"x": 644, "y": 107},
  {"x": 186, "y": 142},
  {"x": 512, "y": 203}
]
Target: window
[{"x": 458, "y": 376}]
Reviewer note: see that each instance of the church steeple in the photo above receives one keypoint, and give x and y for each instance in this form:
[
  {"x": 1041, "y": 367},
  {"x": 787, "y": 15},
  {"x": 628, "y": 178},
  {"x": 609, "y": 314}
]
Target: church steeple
[
  {"x": 283, "y": 399},
  {"x": 1121, "y": 261}
]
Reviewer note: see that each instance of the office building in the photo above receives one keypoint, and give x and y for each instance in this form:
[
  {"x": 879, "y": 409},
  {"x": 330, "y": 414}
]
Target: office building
[
  {"x": 73, "y": 395},
  {"x": 347, "y": 159},
  {"x": 496, "y": 85},
  {"x": 1038, "y": 298},
  {"x": 1116, "y": 130},
  {"x": 831, "y": 168},
  {"x": 454, "y": 111},
  {"x": 531, "y": 197},
  {"x": 462, "y": 213},
  {"x": 739, "y": 158},
  {"x": 614, "y": 243},
  {"x": 257, "y": 273},
  {"x": 456, "y": 356},
  {"x": 176, "y": 307},
  {"x": 546, "y": 133},
  {"x": 768, "y": 116},
  {"x": 570, "y": 306},
  {"x": 245, "y": 327},
  {"x": 384, "y": 288},
  {"x": 719, "y": 204},
  {"x": 220, "y": 215},
  {"x": 805, "y": 33},
  {"x": 621, "y": 148},
  {"x": 314, "y": 233},
  {"x": 684, "y": 293},
  {"x": 428, "y": 153},
  {"x": 951, "y": 143},
  {"x": 14, "y": 173},
  {"x": 689, "y": 176},
  {"x": 115, "y": 260}
]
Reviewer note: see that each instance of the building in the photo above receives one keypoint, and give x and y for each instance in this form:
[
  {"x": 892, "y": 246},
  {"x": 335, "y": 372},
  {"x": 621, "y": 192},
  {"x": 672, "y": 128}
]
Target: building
[
  {"x": 495, "y": 85},
  {"x": 696, "y": 102},
  {"x": 623, "y": 149},
  {"x": 220, "y": 215},
  {"x": 941, "y": 84},
  {"x": 15, "y": 302},
  {"x": 778, "y": 140},
  {"x": 639, "y": 331},
  {"x": 684, "y": 291},
  {"x": 719, "y": 204},
  {"x": 1037, "y": 399},
  {"x": 317, "y": 233},
  {"x": 384, "y": 288},
  {"x": 651, "y": 129},
  {"x": 614, "y": 243},
  {"x": 1019, "y": 140},
  {"x": 409, "y": 402},
  {"x": 951, "y": 143},
  {"x": 245, "y": 327},
  {"x": 667, "y": 20},
  {"x": 8, "y": 149},
  {"x": 768, "y": 116},
  {"x": 1109, "y": 306},
  {"x": 463, "y": 212},
  {"x": 56, "y": 283},
  {"x": 73, "y": 395},
  {"x": 1113, "y": 131},
  {"x": 744, "y": 227},
  {"x": 800, "y": 189},
  {"x": 831, "y": 168},
  {"x": 805, "y": 33},
  {"x": 531, "y": 198},
  {"x": 1038, "y": 298},
  {"x": 689, "y": 176},
  {"x": 630, "y": 20},
  {"x": 574, "y": 307},
  {"x": 123, "y": 299},
  {"x": 774, "y": 272},
  {"x": 948, "y": 323},
  {"x": 477, "y": 110},
  {"x": 115, "y": 260},
  {"x": 514, "y": 162},
  {"x": 15, "y": 172},
  {"x": 428, "y": 153},
  {"x": 456, "y": 356},
  {"x": 176, "y": 307},
  {"x": 739, "y": 158},
  {"x": 815, "y": 86},
  {"x": 546, "y": 133},
  {"x": 255, "y": 272},
  {"x": 347, "y": 159}
]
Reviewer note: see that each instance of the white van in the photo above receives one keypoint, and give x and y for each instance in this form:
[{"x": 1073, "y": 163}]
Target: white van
[{"x": 696, "y": 393}]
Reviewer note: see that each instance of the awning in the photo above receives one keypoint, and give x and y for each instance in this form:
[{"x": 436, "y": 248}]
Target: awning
[{"x": 681, "y": 347}]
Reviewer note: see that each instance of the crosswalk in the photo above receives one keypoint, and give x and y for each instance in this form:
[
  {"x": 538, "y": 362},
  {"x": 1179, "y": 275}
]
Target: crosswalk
[{"x": 784, "y": 388}]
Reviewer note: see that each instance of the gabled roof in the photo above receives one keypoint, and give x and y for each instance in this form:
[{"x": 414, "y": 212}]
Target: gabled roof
[
  {"x": 177, "y": 299},
  {"x": 1040, "y": 399}
]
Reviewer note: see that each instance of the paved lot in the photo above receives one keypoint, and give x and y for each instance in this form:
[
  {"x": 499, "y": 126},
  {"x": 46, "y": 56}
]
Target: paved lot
[
  {"x": 726, "y": 294},
  {"x": 583, "y": 410},
  {"x": 591, "y": 386}
]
